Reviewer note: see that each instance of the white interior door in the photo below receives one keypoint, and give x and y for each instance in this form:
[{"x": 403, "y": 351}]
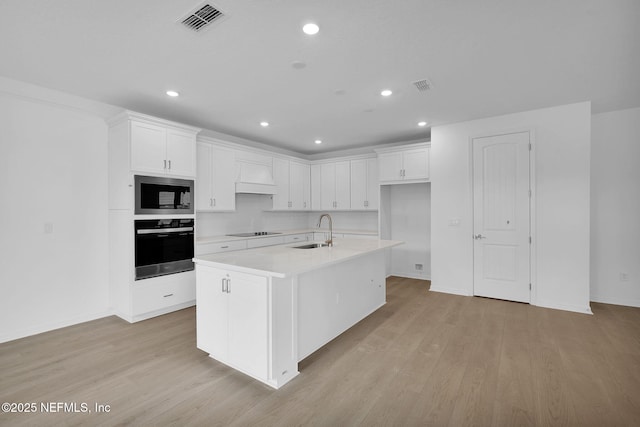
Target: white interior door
[{"x": 502, "y": 217}]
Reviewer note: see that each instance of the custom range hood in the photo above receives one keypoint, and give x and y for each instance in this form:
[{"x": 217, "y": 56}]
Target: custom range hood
[{"x": 254, "y": 178}]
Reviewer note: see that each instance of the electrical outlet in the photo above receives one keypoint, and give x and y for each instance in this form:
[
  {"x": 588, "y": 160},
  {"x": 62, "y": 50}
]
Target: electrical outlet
[
  {"x": 624, "y": 277},
  {"x": 48, "y": 228},
  {"x": 418, "y": 267}
]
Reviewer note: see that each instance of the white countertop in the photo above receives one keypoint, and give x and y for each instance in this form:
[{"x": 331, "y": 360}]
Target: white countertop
[
  {"x": 217, "y": 239},
  {"x": 285, "y": 260}
]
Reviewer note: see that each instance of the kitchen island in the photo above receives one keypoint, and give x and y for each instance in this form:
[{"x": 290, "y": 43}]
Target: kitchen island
[{"x": 263, "y": 310}]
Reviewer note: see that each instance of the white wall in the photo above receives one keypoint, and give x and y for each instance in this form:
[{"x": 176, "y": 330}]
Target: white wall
[
  {"x": 615, "y": 207},
  {"x": 407, "y": 217},
  {"x": 561, "y": 216},
  {"x": 53, "y": 169}
]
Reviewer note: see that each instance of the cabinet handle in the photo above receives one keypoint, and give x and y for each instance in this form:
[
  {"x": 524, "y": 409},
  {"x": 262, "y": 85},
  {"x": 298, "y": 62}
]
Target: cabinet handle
[
  {"x": 168, "y": 295},
  {"x": 165, "y": 163},
  {"x": 228, "y": 287},
  {"x": 214, "y": 201},
  {"x": 224, "y": 247},
  {"x": 222, "y": 281},
  {"x": 169, "y": 164},
  {"x": 210, "y": 202}
]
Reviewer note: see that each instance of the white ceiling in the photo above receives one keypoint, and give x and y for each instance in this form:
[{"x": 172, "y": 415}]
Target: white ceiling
[{"x": 484, "y": 58}]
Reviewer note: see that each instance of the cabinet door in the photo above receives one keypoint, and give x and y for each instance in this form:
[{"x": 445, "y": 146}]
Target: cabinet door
[
  {"x": 248, "y": 325},
  {"x": 148, "y": 148},
  {"x": 416, "y": 163},
  {"x": 299, "y": 185},
  {"x": 328, "y": 186},
  {"x": 224, "y": 179},
  {"x": 373, "y": 188},
  {"x": 359, "y": 184},
  {"x": 295, "y": 238},
  {"x": 316, "y": 184},
  {"x": 282, "y": 199},
  {"x": 343, "y": 185},
  {"x": 211, "y": 312},
  {"x": 265, "y": 241},
  {"x": 389, "y": 167},
  {"x": 204, "y": 176},
  {"x": 181, "y": 153}
]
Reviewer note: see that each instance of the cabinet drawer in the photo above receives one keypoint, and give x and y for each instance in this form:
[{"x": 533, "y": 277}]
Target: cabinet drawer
[
  {"x": 213, "y": 248},
  {"x": 266, "y": 241},
  {"x": 162, "y": 292},
  {"x": 296, "y": 238}
]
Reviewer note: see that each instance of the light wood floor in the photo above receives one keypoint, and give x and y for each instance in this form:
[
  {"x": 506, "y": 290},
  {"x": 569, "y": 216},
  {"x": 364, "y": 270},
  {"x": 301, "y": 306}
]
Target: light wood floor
[{"x": 423, "y": 359}]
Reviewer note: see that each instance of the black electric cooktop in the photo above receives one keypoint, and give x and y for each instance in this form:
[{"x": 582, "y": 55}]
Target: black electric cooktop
[{"x": 253, "y": 234}]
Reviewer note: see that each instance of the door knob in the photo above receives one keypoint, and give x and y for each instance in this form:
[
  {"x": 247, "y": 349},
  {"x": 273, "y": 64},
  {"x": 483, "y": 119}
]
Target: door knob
[{"x": 478, "y": 236}]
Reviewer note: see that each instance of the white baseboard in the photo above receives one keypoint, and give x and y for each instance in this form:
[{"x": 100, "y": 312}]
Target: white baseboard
[
  {"x": 565, "y": 307},
  {"x": 34, "y": 330},
  {"x": 409, "y": 275},
  {"x": 615, "y": 300},
  {"x": 448, "y": 290}
]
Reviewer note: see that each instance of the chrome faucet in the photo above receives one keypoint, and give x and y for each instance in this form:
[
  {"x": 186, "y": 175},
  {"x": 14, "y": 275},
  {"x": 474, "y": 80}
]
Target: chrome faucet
[{"x": 330, "y": 241}]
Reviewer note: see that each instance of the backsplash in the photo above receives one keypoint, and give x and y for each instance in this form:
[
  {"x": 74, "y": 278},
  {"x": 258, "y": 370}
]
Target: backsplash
[
  {"x": 356, "y": 220},
  {"x": 252, "y": 214}
]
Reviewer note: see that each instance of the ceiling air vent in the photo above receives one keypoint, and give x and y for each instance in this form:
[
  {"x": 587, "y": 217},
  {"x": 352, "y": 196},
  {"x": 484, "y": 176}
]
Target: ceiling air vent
[
  {"x": 202, "y": 17},
  {"x": 423, "y": 85}
]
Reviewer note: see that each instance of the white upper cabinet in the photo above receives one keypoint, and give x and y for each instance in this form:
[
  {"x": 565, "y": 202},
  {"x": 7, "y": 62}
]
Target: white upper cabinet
[
  {"x": 215, "y": 180},
  {"x": 404, "y": 164},
  {"x": 364, "y": 184},
  {"x": 300, "y": 186},
  {"x": 293, "y": 185},
  {"x": 335, "y": 186},
  {"x": 162, "y": 149},
  {"x": 181, "y": 153}
]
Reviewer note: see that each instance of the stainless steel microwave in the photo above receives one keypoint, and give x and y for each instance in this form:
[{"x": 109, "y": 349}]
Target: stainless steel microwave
[{"x": 160, "y": 195}]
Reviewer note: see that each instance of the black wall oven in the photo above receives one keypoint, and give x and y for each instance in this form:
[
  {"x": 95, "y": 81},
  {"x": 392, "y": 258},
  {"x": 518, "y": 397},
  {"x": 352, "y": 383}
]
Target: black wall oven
[
  {"x": 163, "y": 246},
  {"x": 160, "y": 195}
]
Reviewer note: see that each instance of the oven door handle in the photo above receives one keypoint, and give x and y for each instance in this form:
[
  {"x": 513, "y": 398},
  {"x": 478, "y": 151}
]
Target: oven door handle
[{"x": 164, "y": 230}]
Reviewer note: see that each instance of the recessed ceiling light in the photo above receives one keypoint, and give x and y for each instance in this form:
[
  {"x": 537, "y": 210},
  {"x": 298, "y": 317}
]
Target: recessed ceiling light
[
  {"x": 264, "y": 124},
  {"x": 172, "y": 93},
  {"x": 318, "y": 141},
  {"x": 310, "y": 28},
  {"x": 422, "y": 124},
  {"x": 386, "y": 92}
]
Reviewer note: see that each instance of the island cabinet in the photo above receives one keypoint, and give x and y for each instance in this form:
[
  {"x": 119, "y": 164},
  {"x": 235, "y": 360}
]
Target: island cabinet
[
  {"x": 263, "y": 310},
  {"x": 216, "y": 175},
  {"x": 231, "y": 317},
  {"x": 407, "y": 164},
  {"x": 244, "y": 321}
]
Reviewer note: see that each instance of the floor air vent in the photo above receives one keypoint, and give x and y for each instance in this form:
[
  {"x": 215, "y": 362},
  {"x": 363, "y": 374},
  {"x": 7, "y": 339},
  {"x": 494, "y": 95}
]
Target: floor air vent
[
  {"x": 423, "y": 85},
  {"x": 202, "y": 18}
]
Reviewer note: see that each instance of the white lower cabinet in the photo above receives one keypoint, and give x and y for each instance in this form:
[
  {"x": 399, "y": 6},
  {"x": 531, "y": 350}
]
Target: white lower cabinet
[
  {"x": 265, "y": 241},
  {"x": 239, "y": 322},
  {"x": 231, "y": 327},
  {"x": 214, "y": 248},
  {"x": 292, "y": 238},
  {"x": 159, "y": 295}
]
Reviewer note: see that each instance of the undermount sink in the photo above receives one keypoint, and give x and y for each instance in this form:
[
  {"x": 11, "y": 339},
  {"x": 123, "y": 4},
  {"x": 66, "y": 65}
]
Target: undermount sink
[{"x": 311, "y": 246}]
